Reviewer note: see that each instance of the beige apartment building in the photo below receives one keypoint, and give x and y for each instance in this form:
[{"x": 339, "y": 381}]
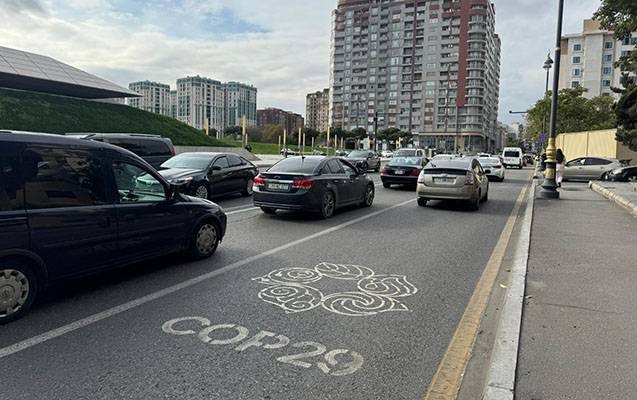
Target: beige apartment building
[{"x": 317, "y": 110}]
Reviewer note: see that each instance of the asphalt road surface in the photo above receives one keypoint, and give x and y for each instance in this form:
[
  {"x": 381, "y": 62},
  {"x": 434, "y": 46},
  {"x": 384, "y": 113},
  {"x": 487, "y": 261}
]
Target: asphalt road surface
[{"x": 360, "y": 306}]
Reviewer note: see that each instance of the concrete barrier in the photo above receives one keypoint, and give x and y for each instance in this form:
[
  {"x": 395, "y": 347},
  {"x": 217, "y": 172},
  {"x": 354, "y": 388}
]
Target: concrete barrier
[
  {"x": 210, "y": 149},
  {"x": 613, "y": 196}
]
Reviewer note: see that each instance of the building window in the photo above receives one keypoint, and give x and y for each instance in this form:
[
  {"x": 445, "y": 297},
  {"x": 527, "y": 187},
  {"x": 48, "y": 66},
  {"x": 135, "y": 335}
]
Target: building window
[
  {"x": 574, "y": 84},
  {"x": 607, "y": 70},
  {"x": 606, "y": 83},
  {"x": 608, "y": 58},
  {"x": 577, "y": 60},
  {"x": 577, "y": 47},
  {"x": 608, "y": 45},
  {"x": 576, "y": 72}
]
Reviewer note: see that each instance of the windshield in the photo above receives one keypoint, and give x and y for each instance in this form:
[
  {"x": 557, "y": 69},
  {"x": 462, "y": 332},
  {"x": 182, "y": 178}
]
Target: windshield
[
  {"x": 188, "y": 161},
  {"x": 406, "y": 152},
  {"x": 489, "y": 161},
  {"x": 301, "y": 165},
  {"x": 405, "y": 161},
  {"x": 512, "y": 153},
  {"x": 358, "y": 154}
]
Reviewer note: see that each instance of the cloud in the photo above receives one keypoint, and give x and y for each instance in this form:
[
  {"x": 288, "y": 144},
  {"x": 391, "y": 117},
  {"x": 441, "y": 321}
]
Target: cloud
[{"x": 280, "y": 46}]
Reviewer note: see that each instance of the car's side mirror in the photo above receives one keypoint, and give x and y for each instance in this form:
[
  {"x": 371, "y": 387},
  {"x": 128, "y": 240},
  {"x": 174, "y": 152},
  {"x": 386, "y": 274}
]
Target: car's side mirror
[
  {"x": 216, "y": 168},
  {"x": 171, "y": 191}
]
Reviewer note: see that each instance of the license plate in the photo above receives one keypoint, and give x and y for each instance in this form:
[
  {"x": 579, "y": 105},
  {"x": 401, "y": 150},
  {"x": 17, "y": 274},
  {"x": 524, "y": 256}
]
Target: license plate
[
  {"x": 399, "y": 172},
  {"x": 278, "y": 186},
  {"x": 444, "y": 180}
]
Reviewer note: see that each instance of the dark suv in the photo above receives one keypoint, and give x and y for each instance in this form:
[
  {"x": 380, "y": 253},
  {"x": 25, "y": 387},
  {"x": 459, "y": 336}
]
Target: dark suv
[
  {"x": 71, "y": 207},
  {"x": 154, "y": 149}
]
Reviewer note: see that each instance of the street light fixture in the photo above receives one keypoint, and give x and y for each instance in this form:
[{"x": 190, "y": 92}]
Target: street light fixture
[
  {"x": 548, "y": 64},
  {"x": 550, "y": 186}
]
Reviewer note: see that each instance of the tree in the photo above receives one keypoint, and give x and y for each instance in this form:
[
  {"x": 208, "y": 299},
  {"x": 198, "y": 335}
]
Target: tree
[
  {"x": 355, "y": 135},
  {"x": 310, "y": 133},
  {"x": 620, "y": 16},
  {"x": 233, "y": 131},
  {"x": 576, "y": 113},
  {"x": 271, "y": 133}
]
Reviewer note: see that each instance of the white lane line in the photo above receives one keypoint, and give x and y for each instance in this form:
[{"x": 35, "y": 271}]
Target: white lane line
[
  {"x": 500, "y": 384},
  {"x": 251, "y": 208},
  {"x": 73, "y": 326}
]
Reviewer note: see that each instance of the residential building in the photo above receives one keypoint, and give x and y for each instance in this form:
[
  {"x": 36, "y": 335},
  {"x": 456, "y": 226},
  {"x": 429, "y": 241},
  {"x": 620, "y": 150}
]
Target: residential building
[
  {"x": 317, "y": 110},
  {"x": 172, "y": 100},
  {"x": 155, "y": 97},
  {"x": 201, "y": 99},
  {"x": 428, "y": 67},
  {"x": 588, "y": 59},
  {"x": 240, "y": 100},
  {"x": 285, "y": 119}
]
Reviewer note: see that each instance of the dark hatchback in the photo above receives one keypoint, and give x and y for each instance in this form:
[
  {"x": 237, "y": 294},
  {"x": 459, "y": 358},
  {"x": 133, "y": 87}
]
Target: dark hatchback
[
  {"x": 365, "y": 159},
  {"x": 402, "y": 170},
  {"x": 208, "y": 175},
  {"x": 72, "y": 207},
  {"x": 624, "y": 174},
  {"x": 314, "y": 183}
]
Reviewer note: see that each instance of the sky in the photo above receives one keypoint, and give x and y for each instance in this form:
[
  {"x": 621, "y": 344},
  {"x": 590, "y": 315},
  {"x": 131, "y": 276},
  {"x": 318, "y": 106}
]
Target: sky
[{"x": 279, "y": 46}]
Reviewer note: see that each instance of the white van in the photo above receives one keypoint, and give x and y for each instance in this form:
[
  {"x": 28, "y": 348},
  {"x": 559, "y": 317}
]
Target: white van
[{"x": 512, "y": 157}]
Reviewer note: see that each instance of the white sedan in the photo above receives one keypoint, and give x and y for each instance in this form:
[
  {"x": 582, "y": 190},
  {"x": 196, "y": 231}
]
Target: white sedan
[{"x": 493, "y": 167}]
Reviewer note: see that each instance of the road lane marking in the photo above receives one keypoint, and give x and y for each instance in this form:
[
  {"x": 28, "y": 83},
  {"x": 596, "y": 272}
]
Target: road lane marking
[
  {"x": 81, "y": 323},
  {"x": 446, "y": 382}
]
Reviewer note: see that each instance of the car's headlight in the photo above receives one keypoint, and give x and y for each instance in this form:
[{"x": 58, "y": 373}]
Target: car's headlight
[
  {"x": 181, "y": 181},
  {"x": 616, "y": 171}
]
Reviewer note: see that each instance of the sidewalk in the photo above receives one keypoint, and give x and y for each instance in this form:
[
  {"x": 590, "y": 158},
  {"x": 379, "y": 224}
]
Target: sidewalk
[
  {"x": 580, "y": 315},
  {"x": 622, "y": 193}
]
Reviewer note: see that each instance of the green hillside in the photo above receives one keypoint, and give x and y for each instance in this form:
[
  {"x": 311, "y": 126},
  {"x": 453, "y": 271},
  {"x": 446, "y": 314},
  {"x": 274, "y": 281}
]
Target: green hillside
[{"x": 27, "y": 111}]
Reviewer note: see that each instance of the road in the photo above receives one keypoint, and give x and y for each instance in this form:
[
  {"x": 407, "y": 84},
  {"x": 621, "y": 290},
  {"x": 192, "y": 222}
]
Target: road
[{"x": 277, "y": 287}]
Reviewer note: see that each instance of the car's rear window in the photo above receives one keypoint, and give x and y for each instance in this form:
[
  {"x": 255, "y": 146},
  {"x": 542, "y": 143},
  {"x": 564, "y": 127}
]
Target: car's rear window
[
  {"x": 512, "y": 153},
  {"x": 489, "y": 161},
  {"x": 143, "y": 147},
  {"x": 301, "y": 165},
  {"x": 404, "y": 161},
  {"x": 458, "y": 163},
  {"x": 358, "y": 154}
]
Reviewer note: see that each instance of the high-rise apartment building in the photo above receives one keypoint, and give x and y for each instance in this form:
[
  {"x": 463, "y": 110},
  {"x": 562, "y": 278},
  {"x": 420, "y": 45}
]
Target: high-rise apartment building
[
  {"x": 240, "y": 100},
  {"x": 199, "y": 100},
  {"x": 155, "y": 97},
  {"x": 172, "y": 101},
  {"x": 588, "y": 59},
  {"x": 431, "y": 67},
  {"x": 317, "y": 110},
  {"x": 285, "y": 119}
]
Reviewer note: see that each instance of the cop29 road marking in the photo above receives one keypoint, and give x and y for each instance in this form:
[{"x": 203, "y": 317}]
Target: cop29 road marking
[
  {"x": 91, "y": 319},
  {"x": 266, "y": 340}
]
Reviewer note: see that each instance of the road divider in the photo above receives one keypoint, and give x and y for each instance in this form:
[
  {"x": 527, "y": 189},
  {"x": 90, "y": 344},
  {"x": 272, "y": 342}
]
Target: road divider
[{"x": 113, "y": 311}]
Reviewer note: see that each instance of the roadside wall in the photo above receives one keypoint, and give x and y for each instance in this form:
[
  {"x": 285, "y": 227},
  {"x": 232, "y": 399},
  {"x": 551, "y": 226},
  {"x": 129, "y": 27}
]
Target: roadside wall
[
  {"x": 594, "y": 143},
  {"x": 209, "y": 149}
]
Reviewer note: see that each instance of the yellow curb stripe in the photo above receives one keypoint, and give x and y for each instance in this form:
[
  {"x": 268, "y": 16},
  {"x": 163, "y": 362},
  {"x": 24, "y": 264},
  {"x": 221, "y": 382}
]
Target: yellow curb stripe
[{"x": 448, "y": 378}]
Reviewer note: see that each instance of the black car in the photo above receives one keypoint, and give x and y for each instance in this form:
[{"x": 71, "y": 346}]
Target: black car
[
  {"x": 624, "y": 174},
  {"x": 401, "y": 170},
  {"x": 313, "y": 183},
  {"x": 207, "y": 175},
  {"x": 367, "y": 159},
  {"x": 72, "y": 207},
  {"x": 154, "y": 149}
]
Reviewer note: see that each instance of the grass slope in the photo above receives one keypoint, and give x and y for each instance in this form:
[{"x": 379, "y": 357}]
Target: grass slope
[{"x": 27, "y": 111}]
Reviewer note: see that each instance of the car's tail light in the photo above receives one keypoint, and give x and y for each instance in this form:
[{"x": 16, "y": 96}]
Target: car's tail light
[
  {"x": 469, "y": 180},
  {"x": 174, "y": 151},
  {"x": 385, "y": 171},
  {"x": 302, "y": 183},
  {"x": 415, "y": 172},
  {"x": 258, "y": 181},
  {"x": 497, "y": 166}
]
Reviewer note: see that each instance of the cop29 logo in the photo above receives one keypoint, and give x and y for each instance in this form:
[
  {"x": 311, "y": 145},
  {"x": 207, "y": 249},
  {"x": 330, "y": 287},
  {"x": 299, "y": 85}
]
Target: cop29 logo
[{"x": 293, "y": 290}]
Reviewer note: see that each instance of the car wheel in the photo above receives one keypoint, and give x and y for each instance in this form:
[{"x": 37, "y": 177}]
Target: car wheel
[
  {"x": 475, "y": 203},
  {"x": 368, "y": 200},
  {"x": 202, "y": 191},
  {"x": 365, "y": 166},
  {"x": 268, "y": 210},
  {"x": 632, "y": 178},
  {"x": 18, "y": 289},
  {"x": 328, "y": 204},
  {"x": 386, "y": 185},
  {"x": 205, "y": 240},
  {"x": 247, "y": 189},
  {"x": 422, "y": 202},
  {"x": 604, "y": 177}
]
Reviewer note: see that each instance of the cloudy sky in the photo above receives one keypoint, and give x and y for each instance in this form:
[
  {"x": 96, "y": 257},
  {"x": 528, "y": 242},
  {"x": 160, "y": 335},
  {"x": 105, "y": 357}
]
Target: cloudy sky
[{"x": 280, "y": 46}]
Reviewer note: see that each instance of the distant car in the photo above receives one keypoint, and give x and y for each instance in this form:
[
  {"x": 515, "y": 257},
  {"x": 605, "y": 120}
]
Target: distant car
[
  {"x": 288, "y": 152},
  {"x": 493, "y": 168},
  {"x": 154, "y": 149},
  {"x": 387, "y": 153},
  {"x": 341, "y": 153},
  {"x": 439, "y": 157},
  {"x": 208, "y": 175},
  {"x": 366, "y": 159},
  {"x": 312, "y": 183},
  {"x": 457, "y": 179},
  {"x": 71, "y": 207},
  {"x": 483, "y": 155},
  {"x": 513, "y": 157},
  {"x": 589, "y": 168},
  {"x": 528, "y": 159},
  {"x": 406, "y": 152},
  {"x": 319, "y": 153},
  {"x": 402, "y": 171},
  {"x": 624, "y": 174}
]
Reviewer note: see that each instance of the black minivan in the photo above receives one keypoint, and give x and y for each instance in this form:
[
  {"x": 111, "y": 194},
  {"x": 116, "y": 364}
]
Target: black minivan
[{"x": 71, "y": 207}]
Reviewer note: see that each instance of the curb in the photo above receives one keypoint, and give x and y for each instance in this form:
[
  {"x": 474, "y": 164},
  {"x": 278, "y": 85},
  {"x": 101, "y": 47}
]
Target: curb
[
  {"x": 610, "y": 195},
  {"x": 500, "y": 382}
]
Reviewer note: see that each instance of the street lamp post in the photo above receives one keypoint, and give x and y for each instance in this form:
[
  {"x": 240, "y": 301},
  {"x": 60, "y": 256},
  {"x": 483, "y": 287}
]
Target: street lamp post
[
  {"x": 550, "y": 186},
  {"x": 547, "y": 67}
]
